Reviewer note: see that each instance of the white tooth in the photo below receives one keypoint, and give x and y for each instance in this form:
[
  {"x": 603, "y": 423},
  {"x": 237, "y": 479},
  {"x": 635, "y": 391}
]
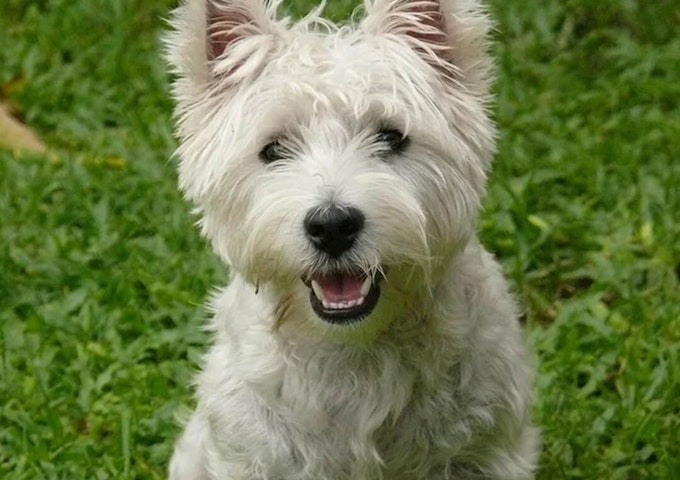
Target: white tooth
[
  {"x": 318, "y": 291},
  {"x": 360, "y": 300},
  {"x": 366, "y": 286},
  {"x": 351, "y": 303},
  {"x": 325, "y": 304},
  {"x": 333, "y": 305}
]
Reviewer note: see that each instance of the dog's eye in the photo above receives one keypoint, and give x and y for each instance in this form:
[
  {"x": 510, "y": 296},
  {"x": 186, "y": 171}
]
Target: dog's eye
[
  {"x": 273, "y": 151},
  {"x": 393, "y": 140}
]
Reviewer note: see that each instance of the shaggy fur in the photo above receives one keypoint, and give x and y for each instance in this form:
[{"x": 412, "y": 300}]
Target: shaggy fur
[{"x": 434, "y": 382}]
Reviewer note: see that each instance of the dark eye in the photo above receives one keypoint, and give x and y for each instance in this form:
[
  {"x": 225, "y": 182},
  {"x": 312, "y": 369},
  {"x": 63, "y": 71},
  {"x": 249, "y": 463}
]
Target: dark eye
[
  {"x": 273, "y": 151},
  {"x": 393, "y": 141}
]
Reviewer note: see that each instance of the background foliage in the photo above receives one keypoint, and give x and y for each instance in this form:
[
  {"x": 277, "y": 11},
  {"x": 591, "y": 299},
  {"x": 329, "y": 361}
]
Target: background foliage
[{"x": 102, "y": 275}]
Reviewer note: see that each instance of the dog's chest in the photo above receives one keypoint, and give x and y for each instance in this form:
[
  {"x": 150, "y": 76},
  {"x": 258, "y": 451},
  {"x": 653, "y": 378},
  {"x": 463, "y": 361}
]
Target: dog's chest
[{"x": 363, "y": 424}]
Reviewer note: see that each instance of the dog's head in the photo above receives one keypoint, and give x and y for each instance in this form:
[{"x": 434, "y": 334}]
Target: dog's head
[{"x": 342, "y": 167}]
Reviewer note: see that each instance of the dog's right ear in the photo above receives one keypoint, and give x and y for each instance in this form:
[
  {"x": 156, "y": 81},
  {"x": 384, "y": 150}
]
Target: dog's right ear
[
  {"x": 229, "y": 22},
  {"x": 221, "y": 39}
]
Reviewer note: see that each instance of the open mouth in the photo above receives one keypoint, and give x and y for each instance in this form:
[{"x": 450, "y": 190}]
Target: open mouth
[{"x": 343, "y": 297}]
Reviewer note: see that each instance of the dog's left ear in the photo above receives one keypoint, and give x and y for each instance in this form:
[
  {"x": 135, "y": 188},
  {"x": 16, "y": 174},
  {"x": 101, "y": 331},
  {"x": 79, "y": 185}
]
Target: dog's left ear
[{"x": 451, "y": 35}]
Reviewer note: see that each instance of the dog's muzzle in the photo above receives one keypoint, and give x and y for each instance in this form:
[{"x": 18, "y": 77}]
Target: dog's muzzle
[
  {"x": 345, "y": 297},
  {"x": 342, "y": 296}
]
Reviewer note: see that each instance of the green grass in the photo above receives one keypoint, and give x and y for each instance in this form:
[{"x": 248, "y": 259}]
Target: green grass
[{"x": 102, "y": 275}]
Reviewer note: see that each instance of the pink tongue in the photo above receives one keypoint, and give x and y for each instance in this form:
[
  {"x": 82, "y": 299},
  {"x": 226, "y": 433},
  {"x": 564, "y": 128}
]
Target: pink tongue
[{"x": 338, "y": 288}]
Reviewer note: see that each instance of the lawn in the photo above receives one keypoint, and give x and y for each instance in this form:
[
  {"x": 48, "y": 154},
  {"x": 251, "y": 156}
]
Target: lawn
[{"x": 102, "y": 274}]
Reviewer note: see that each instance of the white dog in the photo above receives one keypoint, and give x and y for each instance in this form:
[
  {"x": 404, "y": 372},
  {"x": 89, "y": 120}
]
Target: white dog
[{"x": 339, "y": 171}]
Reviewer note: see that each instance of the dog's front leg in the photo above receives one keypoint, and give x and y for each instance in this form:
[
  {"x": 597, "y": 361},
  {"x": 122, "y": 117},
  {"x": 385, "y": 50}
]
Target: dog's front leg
[{"x": 188, "y": 462}]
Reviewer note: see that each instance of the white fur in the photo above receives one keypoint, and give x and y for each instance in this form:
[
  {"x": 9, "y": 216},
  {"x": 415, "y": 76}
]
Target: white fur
[{"x": 435, "y": 383}]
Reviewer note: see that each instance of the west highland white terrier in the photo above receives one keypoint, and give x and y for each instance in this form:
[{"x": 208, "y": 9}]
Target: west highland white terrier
[{"x": 339, "y": 171}]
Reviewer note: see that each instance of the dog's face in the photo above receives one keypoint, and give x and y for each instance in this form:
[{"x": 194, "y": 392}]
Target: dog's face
[{"x": 341, "y": 167}]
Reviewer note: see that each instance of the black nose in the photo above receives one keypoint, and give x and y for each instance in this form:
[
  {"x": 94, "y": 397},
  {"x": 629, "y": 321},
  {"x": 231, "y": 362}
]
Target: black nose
[{"x": 333, "y": 229}]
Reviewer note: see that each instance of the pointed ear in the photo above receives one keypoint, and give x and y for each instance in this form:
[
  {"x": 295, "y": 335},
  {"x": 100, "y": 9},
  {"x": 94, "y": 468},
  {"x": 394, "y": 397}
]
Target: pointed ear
[
  {"x": 230, "y": 21},
  {"x": 225, "y": 39},
  {"x": 451, "y": 35}
]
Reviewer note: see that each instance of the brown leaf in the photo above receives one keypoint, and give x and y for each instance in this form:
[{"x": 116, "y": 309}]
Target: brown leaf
[{"x": 14, "y": 135}]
